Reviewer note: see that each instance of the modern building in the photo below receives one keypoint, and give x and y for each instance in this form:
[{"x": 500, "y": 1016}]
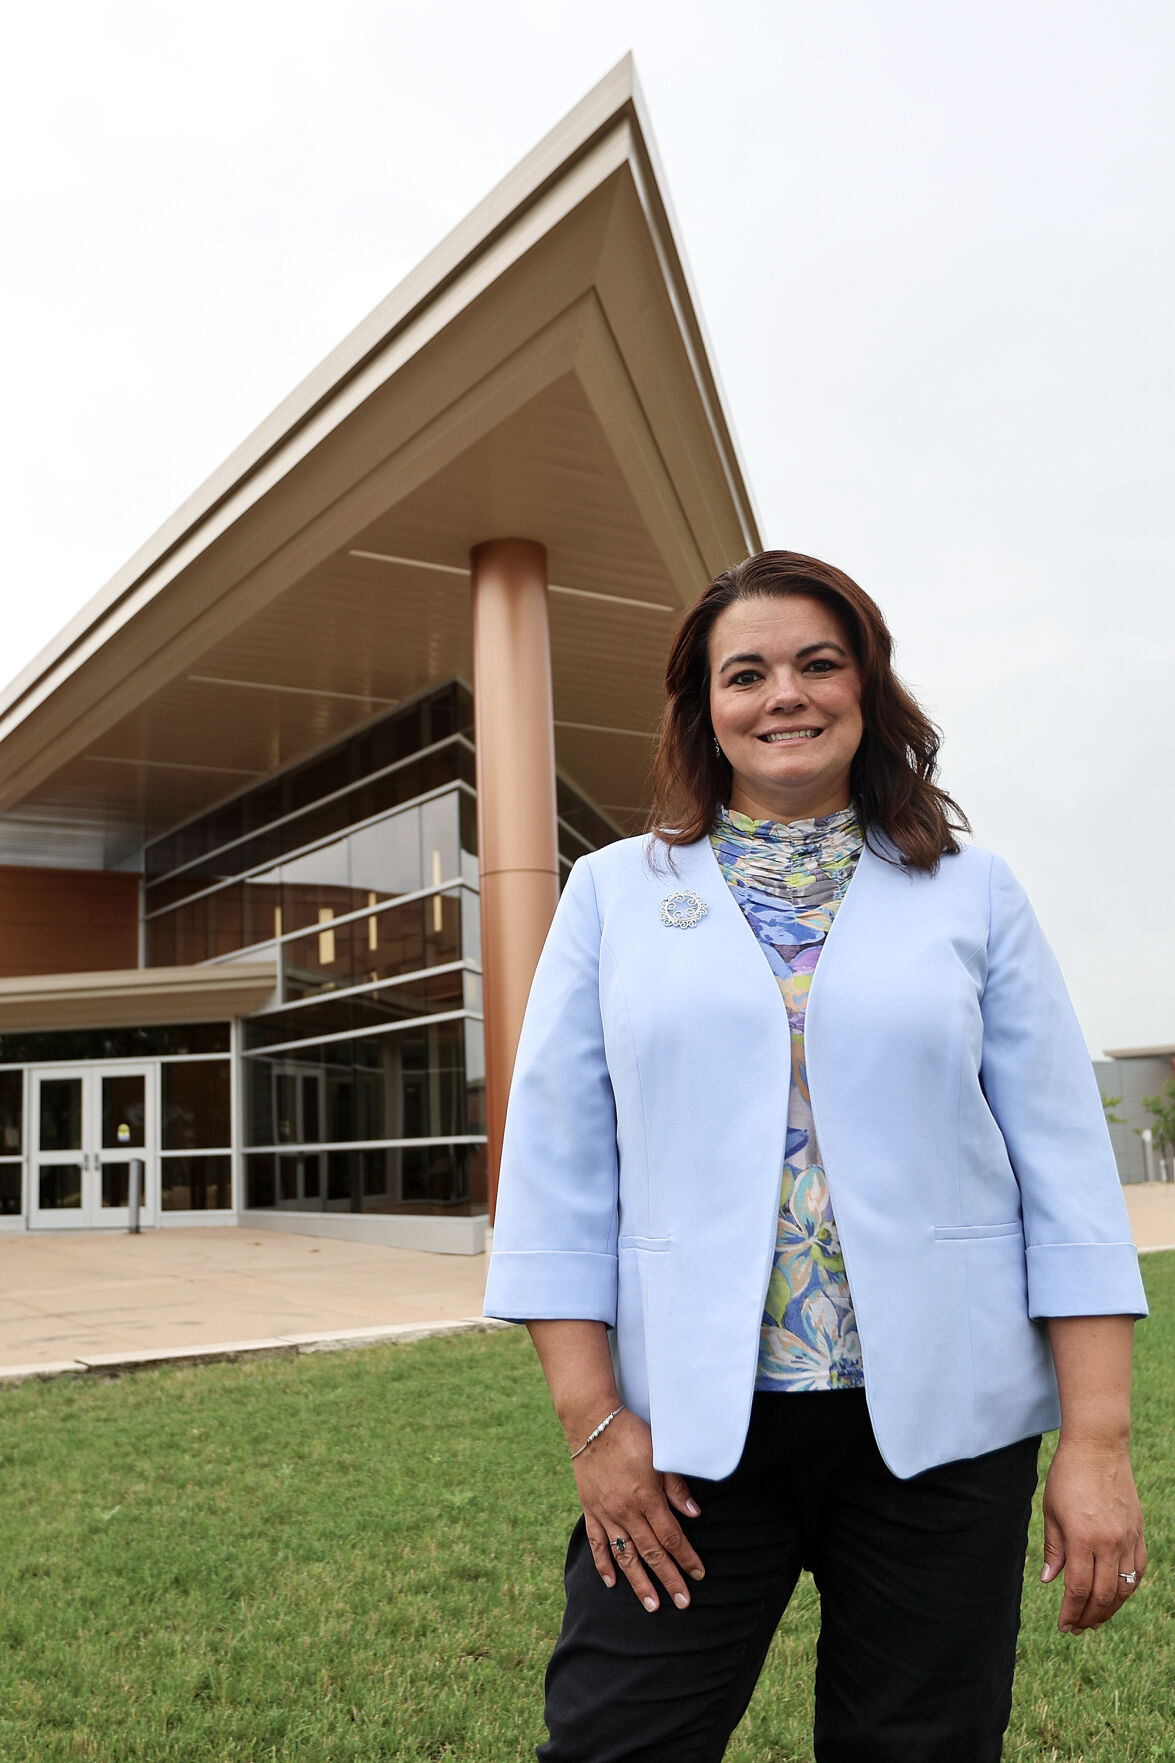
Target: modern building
[
  {"x": 285, "y": 808},
  {"x": 1129, "y": 1074}
]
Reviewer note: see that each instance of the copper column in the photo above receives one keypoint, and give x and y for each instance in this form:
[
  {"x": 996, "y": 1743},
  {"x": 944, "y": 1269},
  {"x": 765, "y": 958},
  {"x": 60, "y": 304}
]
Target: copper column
[{"x": 517, "y": 839}]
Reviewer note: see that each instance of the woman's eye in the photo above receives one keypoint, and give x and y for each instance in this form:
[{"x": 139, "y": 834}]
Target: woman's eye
[
  {"x": 746, "y": 678},
  {"x": 821, "y": 665}
]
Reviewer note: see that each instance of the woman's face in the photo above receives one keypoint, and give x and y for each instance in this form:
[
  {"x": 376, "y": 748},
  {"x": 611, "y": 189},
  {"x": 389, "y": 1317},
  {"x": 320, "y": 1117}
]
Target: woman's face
[{"x": 785, "y": 701}]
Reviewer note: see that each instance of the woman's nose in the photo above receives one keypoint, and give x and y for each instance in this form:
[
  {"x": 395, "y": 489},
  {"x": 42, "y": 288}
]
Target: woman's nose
[{"x": 787, "y": 693}]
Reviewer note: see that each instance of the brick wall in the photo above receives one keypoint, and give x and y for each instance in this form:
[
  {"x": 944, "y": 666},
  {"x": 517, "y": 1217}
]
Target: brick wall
[{"x": 67, "y": 921}]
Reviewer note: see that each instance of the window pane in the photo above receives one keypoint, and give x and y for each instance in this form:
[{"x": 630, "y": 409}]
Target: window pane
[
  {"x": 434, "y": 1082},
  {"x": 468, "y": 835},
  {"x": 473, "y": 994},
  {"x": 390, "y": 943},
  {"x": 116, "y": 1182},
  {"x": 299, "y": 1182},
  {"x": 436, "y": 1174},
  {"x": 11, "y": 1112},
  {"x": 195, "y": 1184},
  {"x": 196, "y": 1109},
  {"x": 9, "y": 1190},
  {"x": 260, "y": 1180},
  {"x": 442, "y": 929},
  {"x": 61, "y": 1114},
  {"x": 476, "y": 1174},
  {"x": 124, "y": 1109},
  {"x": 475, "y": 1078},
  {"x": 344, "y": 1176},
  {"x": 161, "y": 941},
  {"x": 438, "y": 768},
  {"x": 262, "y": 908},
  {"x": 60, "y": 1187},
  {"x": 330, "y": 1016},
  {"x": 471, "y": 926},
  {"x": 321, "y": 962},
  {"x": 439, "y": 840},
  {"x": 208, "y": 927},
  {"x": 316, "y": 886},
  {"x": 385, "y": 858},
  {"x": 431, "y": 993},
  {"x": 393, "y": 788}
]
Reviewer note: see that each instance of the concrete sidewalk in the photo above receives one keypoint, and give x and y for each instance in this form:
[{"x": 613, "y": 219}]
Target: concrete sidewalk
[{"x": 97, "y": 1300}]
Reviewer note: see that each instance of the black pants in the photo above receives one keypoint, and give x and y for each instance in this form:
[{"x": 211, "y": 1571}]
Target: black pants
[{"x": 919, "y": 1586}]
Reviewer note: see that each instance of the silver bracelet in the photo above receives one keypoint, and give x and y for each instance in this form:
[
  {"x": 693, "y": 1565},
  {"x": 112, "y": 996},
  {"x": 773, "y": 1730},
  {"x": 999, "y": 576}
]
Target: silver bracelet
[{"x": 593, "y": 1436}]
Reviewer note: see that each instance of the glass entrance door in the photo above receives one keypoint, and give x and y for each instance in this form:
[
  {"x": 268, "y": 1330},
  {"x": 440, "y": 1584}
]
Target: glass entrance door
[{"x": 86, "y": 1127}]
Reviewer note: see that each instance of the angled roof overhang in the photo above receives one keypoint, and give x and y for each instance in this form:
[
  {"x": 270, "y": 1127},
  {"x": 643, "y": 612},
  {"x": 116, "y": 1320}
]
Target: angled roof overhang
[
  {"x": 136, "y": 996},
  {"x": 543, "y": 373}
]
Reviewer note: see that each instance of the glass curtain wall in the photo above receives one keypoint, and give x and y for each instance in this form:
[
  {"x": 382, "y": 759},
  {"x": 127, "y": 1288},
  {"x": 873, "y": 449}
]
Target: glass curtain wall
[{"x": 364, "y": 1086}]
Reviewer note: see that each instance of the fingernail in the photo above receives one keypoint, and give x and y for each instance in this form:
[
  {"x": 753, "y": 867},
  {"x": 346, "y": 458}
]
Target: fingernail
[
  {"x": 1067, "y": 1628},
  {"x": 650, "y": 1603},
  {"x": 697, "y": 1573},
  {"x": 1046, "y": 1573},
  {"x": 681, "y": 1600},
  {"x": 609, "y": 1583},
  {"x": 694, "y": 1510}
]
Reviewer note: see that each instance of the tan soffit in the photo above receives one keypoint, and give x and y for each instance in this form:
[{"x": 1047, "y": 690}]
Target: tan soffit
[
  {"x": 543, "y": 373},
  {"x": 136, "y": 996}
]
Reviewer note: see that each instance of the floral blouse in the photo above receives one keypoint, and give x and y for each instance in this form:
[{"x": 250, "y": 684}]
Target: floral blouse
[{"x": 789, "y": 878}]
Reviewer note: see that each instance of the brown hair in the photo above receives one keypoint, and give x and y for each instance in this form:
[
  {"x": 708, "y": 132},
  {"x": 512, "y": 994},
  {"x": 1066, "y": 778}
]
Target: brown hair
[{"x": 893, "y": 771}]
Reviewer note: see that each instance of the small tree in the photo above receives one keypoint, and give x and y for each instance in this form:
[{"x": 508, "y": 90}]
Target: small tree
[
  {"x": 1161, "y": 1109},
  {"x": 1110, "y": 1103}
]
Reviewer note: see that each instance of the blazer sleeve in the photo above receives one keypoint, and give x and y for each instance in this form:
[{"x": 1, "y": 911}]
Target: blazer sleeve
[
  {"x": 554, "y": 1248},
  {"x": 1040, "y": 1085}
]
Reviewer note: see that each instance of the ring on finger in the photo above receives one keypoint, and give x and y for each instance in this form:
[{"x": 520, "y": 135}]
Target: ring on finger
[
  {"x": 619, "y": 1545},
  {"x": 1130, "y": 1578}
]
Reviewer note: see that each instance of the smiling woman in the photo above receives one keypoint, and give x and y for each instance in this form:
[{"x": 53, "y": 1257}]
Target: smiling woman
[
  {"x": 808, "y": 1202},
  {"x": 783, "y": 648},
  {"x": 785, "y": 702}
]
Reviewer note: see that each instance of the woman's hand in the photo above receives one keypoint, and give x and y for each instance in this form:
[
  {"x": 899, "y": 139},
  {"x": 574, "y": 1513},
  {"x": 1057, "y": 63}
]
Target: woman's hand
[
  {"x": 1092, "y": 1518},
  {"x": 622, "y": 1495},
  {"x": 1093, "y": 1530}
]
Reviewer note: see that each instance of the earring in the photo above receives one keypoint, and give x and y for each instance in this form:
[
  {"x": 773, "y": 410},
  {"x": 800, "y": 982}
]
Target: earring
[{"x": 717, "y": 748}]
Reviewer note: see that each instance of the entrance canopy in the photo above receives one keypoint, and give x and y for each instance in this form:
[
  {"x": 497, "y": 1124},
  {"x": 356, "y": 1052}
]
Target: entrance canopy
[
  {"x": 137, "y": 996},
  {"x": 543, "y": 372}
]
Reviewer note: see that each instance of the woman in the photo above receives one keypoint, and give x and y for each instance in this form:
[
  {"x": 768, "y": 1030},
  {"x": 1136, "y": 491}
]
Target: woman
[{"x": 850, "y": 1371}]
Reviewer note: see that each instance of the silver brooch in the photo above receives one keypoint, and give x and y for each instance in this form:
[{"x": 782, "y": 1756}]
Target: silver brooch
[{"x": 683, "y": 910}]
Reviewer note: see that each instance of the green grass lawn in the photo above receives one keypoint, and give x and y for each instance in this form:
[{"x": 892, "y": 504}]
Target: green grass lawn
[{"x": 359, "y": 1555}]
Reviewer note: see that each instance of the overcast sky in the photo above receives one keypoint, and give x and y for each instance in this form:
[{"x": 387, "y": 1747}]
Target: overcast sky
[{"x": 932, "y": 245}]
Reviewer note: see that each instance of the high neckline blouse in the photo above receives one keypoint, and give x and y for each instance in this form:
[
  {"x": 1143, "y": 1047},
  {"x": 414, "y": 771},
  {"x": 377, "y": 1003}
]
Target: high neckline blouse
[
  {"x": 789, "y": 878},
  {"x": 829, "y": 833}
]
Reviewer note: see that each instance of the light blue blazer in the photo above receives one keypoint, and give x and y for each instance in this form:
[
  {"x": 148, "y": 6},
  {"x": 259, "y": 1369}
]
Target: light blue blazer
[{"x": 961, "y": 1131}]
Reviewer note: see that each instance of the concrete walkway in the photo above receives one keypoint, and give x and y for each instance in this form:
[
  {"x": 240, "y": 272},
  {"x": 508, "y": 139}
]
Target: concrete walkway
[{"x": 98, "y": 1300}]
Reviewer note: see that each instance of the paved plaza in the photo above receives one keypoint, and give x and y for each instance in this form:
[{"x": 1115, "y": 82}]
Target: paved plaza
[
  {"x": 97, "y": 1300},
  {"x": 76, "y": 1300}
]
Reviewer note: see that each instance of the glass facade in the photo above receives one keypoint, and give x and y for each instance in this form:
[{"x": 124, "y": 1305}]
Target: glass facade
[{"x": 362, "y": 1089}]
